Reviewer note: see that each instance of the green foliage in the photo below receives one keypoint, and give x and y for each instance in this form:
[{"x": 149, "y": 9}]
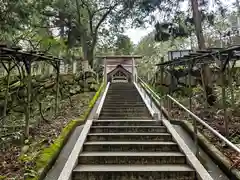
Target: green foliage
[
  {"x": 94, "y": 99},
  {"x": 153, "y": 51},
  {"x": 47, "y": 155},
  {"x": 3, "y": 177},
  {"x": 236, "y": 139},
  {"x": 124, "y": 45},
  {"x": 165, "y": 31}
]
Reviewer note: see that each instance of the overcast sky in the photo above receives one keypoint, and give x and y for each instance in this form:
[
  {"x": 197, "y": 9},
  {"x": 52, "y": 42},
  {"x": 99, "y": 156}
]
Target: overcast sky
[{"x": 137, "y": 34}]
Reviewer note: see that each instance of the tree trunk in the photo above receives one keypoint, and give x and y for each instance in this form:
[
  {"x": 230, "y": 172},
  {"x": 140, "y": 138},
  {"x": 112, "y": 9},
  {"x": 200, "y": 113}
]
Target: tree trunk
[
  {"x": 230, "y": 83},
  {"x": 85, "y": 65},
  {"x": 6, "y": 93},
  {"x": 208, "y": 88},
  {"x": 198, "y": 24},
  {"x": 85, "y": 62},
  {"x": 238, "y": 14},
  {"x": 57, "y": 88},
  {"x": 90, "y": 56},
  {"x": 223, "y": 84},
  {"x": 88, "y": 46},
  {"x": 28, "y": 107},
  {"x": 161, "y": 76}
]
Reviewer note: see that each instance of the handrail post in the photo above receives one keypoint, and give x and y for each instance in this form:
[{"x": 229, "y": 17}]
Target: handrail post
[
  {"x": 190, "y": 107},
  {"x": 169, "y": 107},
  {"x": 190, "y": 86},
  {"x": 196, "y": 137},
  {"x": 161, "y": 106}
]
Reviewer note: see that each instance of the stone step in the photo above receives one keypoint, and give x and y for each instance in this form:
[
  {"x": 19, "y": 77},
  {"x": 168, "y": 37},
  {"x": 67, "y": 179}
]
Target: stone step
[
  {"x": 130, "y": 122},
  {"x": 121, "y": 113},
  {"x": 119, "y": 89},
  {"x": 126, "y": 114},
  {"x": 122, "y": 92},
  {"x": 119, "y": 110},
  {"x": 140, "y": 158},
  {"x": 100, "y": 146},
  {"x": 137, "y": 137},
  {"x": 121, "y": 117},
  {"x": 125, "y": 110},
  {"x": 116, "y": 103},
  {"x": 126, "y": 129},
  {"x": 124, "y": 105},
  {"x": 124, "y": 95},
  {"x": 124, "y": 101},
  {"x": 134, "y": 172}
]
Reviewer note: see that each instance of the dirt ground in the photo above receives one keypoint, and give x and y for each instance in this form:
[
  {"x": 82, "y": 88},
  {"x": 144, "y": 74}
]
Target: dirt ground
[{"x": 11, "y": 167}]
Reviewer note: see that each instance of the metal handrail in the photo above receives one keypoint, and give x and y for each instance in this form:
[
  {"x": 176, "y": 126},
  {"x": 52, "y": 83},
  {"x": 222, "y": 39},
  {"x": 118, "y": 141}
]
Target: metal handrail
[
  {"x": 155, "y": 94},
  {"x": 206, "y": 125},
  {"x": 149, "y": 106},
  {"x": 221, "y": 137}
]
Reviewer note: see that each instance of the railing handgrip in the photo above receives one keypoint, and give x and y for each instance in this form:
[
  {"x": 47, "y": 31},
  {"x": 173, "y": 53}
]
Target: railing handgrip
[{"x": 195, "y": 117}]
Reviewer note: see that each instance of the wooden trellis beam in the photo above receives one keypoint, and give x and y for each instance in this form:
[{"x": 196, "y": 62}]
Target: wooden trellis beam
[{"x": 205, "y": 56}]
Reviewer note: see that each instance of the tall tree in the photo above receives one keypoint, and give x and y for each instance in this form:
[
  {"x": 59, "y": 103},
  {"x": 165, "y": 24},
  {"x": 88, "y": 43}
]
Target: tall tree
[
  {"x": 198, "y": 24},
  {"x": 238, "y": 12},
  {"x": 85, "y": 21},
  {"x": 206, "y": 71},
  {"x": 124, "y": 45},
  {"x": 172, "y": 28}
]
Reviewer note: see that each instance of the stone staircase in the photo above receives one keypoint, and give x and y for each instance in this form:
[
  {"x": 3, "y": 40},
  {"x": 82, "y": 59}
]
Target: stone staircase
[{"x": 125, "y": 143}]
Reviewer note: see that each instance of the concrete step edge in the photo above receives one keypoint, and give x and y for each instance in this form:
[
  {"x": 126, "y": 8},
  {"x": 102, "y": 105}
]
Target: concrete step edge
[
  {"x": 129, "y": 143},
  {"x": 138, "y": 154},
  {"x": 133, "y": 168},
  {"x": 123, "y": 127},
  {"x": 129, "y": 134}
]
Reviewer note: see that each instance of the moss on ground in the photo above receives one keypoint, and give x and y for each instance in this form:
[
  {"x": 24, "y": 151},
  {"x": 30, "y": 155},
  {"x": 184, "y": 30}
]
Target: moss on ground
[
  {"x": 48, "y": 155},
  {"x": 3, "y": 177}
]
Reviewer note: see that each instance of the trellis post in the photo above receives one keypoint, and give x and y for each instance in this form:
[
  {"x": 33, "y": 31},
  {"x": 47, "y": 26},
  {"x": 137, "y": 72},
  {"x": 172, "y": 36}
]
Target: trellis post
[
  {"x": 6, "y": 92},
  {"x": 190, "y": 85},
  {"x": 57, "y": 86},
  {"x": 28, "y": 64},
  {"x": 223, "y": 84}
]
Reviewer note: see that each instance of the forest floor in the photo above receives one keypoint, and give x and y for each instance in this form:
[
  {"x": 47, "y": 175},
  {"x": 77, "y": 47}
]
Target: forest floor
[
  {"x": 215, "y": 118},
  {"x": 11, "y": 165}
]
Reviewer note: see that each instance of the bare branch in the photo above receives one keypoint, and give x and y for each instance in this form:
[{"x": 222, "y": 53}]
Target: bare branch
[
  {"x": 104, "y": 17},
  {"x": 5, "y": 67}
]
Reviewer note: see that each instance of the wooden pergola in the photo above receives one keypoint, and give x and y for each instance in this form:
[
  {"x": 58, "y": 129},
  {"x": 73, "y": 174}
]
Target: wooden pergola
[
  {"x": 212, "y": 55},
  {"x": 220, "y": 57},
  {"x": 11, "y": 57}
]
